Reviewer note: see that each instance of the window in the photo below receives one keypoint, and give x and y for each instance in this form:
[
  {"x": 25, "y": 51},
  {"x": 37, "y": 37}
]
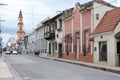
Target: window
[
  {"x": 103, "y": 51},
  {"x": 97, "y": 16},
  {"x": 55, "y": 45},
  {"x": 86, "y": 46},
  {"x": 49, "y": 48},
  {"x": 46, "y": 29},
  {"x": 66, "y": 49},
  {"x": 52, "y": 27},
  {"x": 60, "y": 23},
  {"x": 45, "y": 50},
  {"x": 118, "y": 47}
]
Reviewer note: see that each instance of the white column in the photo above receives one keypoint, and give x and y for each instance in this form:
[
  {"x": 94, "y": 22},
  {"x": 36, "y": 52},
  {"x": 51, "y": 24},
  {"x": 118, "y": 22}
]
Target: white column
[
  {"x": 63, "y": 35},
  {"x": 92, "y": 28},
  {"x": 81, "y": 31},
  {"x": 72, "y": 35}
]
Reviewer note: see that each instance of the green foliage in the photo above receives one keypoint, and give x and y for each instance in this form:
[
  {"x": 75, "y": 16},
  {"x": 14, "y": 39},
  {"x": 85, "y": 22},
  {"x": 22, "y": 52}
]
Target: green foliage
[{"x": 4, "y": 48}]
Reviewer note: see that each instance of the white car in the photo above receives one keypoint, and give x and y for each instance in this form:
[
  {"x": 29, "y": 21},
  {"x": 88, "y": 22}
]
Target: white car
[
  {"x": 14, "y": 52},
  {"x": 7, "y": 52}
]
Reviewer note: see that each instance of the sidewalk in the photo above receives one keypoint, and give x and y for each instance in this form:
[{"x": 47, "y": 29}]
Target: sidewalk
[
  {"x": 97, "y": 66},
  {"x": 5, "y": 73}
]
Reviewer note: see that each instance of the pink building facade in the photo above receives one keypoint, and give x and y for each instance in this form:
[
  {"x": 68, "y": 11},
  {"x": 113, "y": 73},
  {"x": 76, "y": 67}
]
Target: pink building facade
[{"x": 79, "y": 23}]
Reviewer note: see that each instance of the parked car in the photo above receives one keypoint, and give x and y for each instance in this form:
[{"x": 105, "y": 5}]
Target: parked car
[
  {"x": 14, "y": 52},
  {"x": 8, "y": 52}
]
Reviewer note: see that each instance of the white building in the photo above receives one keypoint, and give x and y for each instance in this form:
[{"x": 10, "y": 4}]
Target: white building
[
  {"x": 107, "y": 39},
  {"x": 53, "y": 33},
  {"x": 59, "y": 36},
  {"x": 41, "y": 43},
  {"x": 32, "y": 42}
]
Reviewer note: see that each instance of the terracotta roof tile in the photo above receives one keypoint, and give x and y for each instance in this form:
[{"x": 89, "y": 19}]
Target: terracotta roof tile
[{"x": 109, "y": 21}]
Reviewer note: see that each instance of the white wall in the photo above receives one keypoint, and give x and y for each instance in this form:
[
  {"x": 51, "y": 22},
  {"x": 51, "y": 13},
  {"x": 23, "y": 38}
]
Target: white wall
[
  {"x": 111, "y": 49},
  {"x": 59, "y": 39},
  {"x": 117, "y": 29},
  {"x": 101, "y": 10},
  {"x": 60, "y": 33},
  {"x": 42, "y": 42},
  {"x": 32, "y": 41}
]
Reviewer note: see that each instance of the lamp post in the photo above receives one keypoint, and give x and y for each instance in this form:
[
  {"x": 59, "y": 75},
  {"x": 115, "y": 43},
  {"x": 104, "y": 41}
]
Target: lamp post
[{"x": 0, "y": 29}]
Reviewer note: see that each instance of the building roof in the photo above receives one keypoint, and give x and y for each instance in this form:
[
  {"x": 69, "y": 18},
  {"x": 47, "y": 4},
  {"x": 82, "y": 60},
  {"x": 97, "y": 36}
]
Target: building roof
[
  {"x": 88, "y": 4},
  {"x": 117, "y": 35},
  {"x": 109, "y": 21}
]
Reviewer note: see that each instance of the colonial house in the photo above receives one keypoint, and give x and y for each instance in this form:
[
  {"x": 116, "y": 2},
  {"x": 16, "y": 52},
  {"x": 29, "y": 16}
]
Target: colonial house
[
  {"x": 41, "y": 43},
  {"x": 79, "y": 23},
  {"x": 59, "y": 36},
  {"x": 53, "y": 34},
  {"x": 107, "y": 39}
]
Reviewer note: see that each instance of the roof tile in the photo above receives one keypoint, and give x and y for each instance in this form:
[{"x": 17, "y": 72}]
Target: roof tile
[{"x": 109, "y": 21}]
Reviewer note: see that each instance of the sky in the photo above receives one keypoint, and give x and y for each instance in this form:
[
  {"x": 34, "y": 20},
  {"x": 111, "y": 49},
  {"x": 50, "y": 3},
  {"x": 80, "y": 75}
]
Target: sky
[{"x": 34, "y": 11}]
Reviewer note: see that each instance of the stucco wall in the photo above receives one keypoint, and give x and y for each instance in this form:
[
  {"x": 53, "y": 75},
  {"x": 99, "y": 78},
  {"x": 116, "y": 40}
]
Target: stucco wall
[
  {"x": 111, "y": 49},
  {"x": 41, "y": 42},
  {"x": 117, "y": 29},
  {"x": 101, "y": 10},
  {"x": 32, "y": 41}
]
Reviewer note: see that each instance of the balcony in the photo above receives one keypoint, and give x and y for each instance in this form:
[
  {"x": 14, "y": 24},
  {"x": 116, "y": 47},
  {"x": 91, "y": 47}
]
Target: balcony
[{"x": 49, "y": 35}]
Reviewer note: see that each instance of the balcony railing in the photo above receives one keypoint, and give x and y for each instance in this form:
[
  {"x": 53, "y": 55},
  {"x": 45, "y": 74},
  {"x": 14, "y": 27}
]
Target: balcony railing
[{"x": 49, "y": 35}]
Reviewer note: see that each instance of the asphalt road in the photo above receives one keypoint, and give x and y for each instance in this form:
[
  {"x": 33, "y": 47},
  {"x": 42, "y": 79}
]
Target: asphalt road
[{"x": 25, "y": 67}]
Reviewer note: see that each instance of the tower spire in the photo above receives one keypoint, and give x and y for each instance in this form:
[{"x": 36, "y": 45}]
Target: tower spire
[{"x": 20, "y": 31}]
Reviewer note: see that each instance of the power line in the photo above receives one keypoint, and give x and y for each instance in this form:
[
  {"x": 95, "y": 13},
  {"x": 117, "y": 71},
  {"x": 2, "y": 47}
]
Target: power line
[
  {"x": 39, "y": 14},
  {"x": 22, "y": 12},
  {"x": 107, "y": 3}
]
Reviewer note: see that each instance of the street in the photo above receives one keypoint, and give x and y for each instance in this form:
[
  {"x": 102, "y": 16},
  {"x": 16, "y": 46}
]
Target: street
[{"x": 26, "y": 67}]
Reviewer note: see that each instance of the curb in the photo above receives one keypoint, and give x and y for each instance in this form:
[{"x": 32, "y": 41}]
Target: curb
[
  {"x": 5, "y": 68},
  {"x": 91, "y": 65}
]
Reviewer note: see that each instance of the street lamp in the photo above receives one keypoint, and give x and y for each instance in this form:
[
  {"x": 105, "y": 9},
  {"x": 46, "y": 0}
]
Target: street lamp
[{"x": 1, "y": 4}]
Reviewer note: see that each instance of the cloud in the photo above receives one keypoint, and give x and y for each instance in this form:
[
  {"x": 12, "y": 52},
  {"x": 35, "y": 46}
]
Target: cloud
[{"x": 34, "y": 11}]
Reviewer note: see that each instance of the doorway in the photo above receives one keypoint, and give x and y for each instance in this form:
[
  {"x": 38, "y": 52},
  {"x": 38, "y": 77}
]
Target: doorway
[
  {"x": 118, "y": 51},
  {"x": 60, "y": 50},
  {"x": 103, "y": 51}
]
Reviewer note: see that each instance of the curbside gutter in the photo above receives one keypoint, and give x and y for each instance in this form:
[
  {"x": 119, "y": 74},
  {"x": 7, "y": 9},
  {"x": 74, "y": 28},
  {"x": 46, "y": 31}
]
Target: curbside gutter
[{"x": 113, "y": 69}]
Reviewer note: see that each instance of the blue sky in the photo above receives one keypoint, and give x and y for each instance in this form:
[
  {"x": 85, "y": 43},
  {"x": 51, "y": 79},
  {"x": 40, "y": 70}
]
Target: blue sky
[{"x": 34, "y": 11}]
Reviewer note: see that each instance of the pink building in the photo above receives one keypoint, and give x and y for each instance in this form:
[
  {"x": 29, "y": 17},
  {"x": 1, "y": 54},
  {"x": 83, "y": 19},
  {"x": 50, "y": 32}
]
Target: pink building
[{"x": 79, "y": 23}]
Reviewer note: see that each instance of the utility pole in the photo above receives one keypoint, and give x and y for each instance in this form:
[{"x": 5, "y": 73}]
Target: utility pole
[{"x": 1, "y": 4}]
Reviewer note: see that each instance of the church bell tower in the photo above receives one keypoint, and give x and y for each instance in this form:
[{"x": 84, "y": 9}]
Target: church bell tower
[{"x": 20, "y": 31}]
